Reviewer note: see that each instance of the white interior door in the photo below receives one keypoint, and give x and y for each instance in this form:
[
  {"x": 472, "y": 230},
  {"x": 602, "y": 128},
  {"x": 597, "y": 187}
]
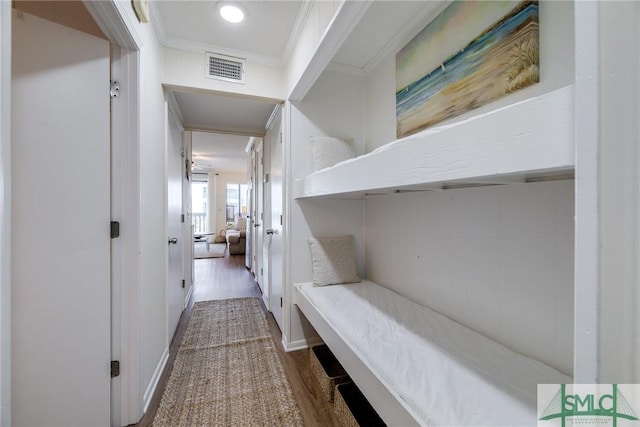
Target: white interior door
[
  {"x": 256, "y": 181},
  {"x": 248, "y": 255},
  {"x": 175, "y": 241},
  {"x": 187, "y": 228},
  {"x": 266, "y": 222},
  {"x": 274, "y": 227},
  {"x": 60, "y": 226},
  {"x": 259, "y": 217}
]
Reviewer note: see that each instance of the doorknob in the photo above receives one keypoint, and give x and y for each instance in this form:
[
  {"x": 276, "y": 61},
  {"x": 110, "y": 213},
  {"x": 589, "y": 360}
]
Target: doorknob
[
  {"x": 271, "y": 231},
  {"x": 173, "y": 240}
]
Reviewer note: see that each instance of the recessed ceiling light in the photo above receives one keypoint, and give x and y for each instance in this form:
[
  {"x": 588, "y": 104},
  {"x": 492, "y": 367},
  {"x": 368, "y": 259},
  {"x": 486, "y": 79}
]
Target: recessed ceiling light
[{"x": 232, "y": 13}]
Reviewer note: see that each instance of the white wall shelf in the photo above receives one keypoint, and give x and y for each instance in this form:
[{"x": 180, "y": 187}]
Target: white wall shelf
[{"x": 529, "y": 139}]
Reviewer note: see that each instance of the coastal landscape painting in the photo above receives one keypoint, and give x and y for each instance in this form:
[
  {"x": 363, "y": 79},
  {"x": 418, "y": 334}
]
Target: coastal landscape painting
[{"x": 473, "y": 53}]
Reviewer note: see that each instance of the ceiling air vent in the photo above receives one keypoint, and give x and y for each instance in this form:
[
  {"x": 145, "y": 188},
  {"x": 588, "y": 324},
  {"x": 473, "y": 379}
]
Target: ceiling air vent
[{"x": 227, "y": 68}]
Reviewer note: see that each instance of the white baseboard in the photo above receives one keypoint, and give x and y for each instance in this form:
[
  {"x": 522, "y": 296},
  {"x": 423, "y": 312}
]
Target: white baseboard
[
  {"x": 300, "y": 344},
  {"x": 151, "y": 388},
  {"x": 188, "y": 297}
]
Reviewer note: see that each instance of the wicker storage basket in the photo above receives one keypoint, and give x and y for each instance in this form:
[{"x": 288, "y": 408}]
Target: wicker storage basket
[
  {"x": 221, "y": 237},
  {"x": 352, "y": 408},
  {"x": 326, "y": 369}
]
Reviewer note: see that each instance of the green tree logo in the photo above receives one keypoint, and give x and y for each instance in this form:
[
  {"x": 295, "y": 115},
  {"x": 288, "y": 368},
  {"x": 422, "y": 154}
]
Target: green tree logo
[{"x": 613, "y": 405}]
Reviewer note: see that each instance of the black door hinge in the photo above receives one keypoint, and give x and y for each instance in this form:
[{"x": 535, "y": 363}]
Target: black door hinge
[
  {"x": 182, "y": 218},
  {"x": 280, "y": 302},
  {"x": 115, "y": 229},
  {"x": 115, "y": 368},
  {"x": 183, "y": 283},
  {"x": 114, "y": 89}
]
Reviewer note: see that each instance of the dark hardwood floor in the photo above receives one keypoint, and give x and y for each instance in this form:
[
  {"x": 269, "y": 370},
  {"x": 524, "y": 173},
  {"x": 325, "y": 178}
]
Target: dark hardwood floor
[{"x": 223, "y": 278}]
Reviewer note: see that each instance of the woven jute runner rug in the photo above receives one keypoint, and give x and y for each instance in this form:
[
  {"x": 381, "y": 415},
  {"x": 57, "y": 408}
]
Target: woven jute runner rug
[{"x": 227, "y": 371}]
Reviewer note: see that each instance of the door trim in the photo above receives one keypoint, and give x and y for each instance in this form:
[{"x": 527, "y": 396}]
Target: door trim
[
  {"x": 5, "y": 213},
  {"x": 125, "y": 200},
  {"x": 118, "y": 25}
]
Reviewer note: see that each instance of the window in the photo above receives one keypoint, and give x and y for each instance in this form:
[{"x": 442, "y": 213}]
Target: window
[
  {"x": 199, "y": 203},
  {"x": 237, "y": 201}
]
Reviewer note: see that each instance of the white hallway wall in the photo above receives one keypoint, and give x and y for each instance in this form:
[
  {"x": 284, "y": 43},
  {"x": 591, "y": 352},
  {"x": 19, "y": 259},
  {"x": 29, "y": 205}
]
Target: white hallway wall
[
  {"x": 318, "y": 18},
  {"x": 619, "y": 187},
  {"x": 184, "y": 69},
  {"x": 333, "y": 107},
  {"x": 456, "y": 258},
  {"x": 496, "y": 259}
]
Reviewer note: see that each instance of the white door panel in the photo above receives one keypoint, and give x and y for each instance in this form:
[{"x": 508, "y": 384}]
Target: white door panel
[
  {"x": 175, "y": 295},
  {"x": 258, "y": 226},
  {"x": 187, "y": 228},
  {"x": 60, "y": 226},
  {"x": 276, "y": 247}
]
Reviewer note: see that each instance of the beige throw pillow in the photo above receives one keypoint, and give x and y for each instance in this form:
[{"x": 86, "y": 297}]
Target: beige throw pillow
[
  {"x": 240, "y": 223},
  {"x": 334, "y": 260}
]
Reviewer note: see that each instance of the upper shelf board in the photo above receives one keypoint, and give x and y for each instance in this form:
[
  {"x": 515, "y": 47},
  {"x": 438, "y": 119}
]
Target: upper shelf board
[{"x": 531, "y": 138}]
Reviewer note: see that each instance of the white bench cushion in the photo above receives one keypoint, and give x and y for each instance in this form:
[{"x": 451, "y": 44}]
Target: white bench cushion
[{"x": 445, "y": 374}]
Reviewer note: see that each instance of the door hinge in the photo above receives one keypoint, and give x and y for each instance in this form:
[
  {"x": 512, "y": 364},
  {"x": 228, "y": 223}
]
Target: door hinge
[
  {"x": 182, "y": 218},
  {"x": 280, "y": 302},
  {"x": 280, "y": 219},
  {"x": 115, "y": 368},
  {"x": 115, "y": 229},
  {"x": 183, "y": 283},
  {"x": 261, "y": 273},
  {"x": 281, "y": 138},
  {"x": 182, "y": 152},
  {"x": 114, "y": 91}
]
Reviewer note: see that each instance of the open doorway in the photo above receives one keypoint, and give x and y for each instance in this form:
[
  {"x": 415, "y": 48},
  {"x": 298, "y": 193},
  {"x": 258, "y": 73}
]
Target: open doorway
[{"x": 227, "y": 135}]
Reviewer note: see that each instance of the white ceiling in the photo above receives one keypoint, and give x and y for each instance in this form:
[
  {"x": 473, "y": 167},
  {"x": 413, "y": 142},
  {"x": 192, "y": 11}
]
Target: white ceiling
[
  {"x": 220, "y": 152},
  {"x": 226, "y": 114},
  {"x": 267, "y": 35}
]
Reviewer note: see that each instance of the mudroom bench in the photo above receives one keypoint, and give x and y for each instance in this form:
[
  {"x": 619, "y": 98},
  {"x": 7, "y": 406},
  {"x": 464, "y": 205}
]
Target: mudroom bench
[{"x": 418, "y": 367}]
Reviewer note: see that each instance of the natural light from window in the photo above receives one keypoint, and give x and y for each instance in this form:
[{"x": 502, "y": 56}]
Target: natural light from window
[
  {"x": 199, "y": 203},
  {"x": 237, "y": 201}
]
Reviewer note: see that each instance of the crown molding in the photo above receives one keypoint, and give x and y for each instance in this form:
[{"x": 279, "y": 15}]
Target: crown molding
[
  {"x": 173, "y": 106},
  {"x": 275, "y": 115},
  {"x": 156, "y": 21},
  {"x": 296, "y": 30}
]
